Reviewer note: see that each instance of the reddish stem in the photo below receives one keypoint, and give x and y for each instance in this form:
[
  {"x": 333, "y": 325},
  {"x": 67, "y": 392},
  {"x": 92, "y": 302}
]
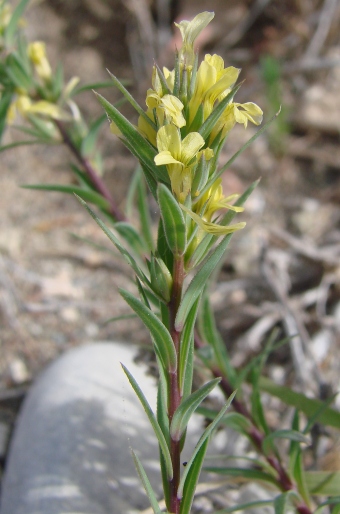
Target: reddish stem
[
  {"x": 96, "y": 180},
  {"x": 257, "y": 437},
  {"x": 174, "y": 389}
]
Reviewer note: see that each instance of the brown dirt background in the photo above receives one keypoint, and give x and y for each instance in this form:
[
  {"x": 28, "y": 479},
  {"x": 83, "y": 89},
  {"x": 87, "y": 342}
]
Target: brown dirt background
[{"x": 57, "y": 291}]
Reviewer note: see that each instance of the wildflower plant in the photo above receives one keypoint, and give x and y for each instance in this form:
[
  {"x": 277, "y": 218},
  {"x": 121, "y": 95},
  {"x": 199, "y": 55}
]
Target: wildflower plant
[{"x": 177, "y": 140}]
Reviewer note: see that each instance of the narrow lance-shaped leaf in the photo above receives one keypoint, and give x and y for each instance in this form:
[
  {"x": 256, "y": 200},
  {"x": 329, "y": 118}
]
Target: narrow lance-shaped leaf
[
  {"x": 186, "y": 360},
  {"x": 199, "y": 281},
  {"x": 144, "y": 152},
  {"x": 127, "y": 256},
  {"x": 184, "y": 412},
  {"x": 244, "y": 506},
  {"x": 84, "y": 194},
  {"x": 12, "y": 26},
  {"x": 211, "y": 121},
  {"x": 146, "y": 483},
  {"x": 131, "y": 100},
  {"x": 239, "y": 152},
  {"x": 284, "y": 501},
  {"x": 159, "y": 332},
  {"x": 204, "y": 437},
  {"x": 192, "y": 479},
  {"x": 308, "y": 406},
  {"x": 173, "y": 220},
  {"x": 291, "y": 435},
  {"x": 157, "y": 429}
]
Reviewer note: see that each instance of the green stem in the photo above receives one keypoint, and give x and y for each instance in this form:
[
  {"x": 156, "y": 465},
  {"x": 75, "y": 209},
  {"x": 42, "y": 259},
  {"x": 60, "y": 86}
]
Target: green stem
[{"x": 175, "y": 397}]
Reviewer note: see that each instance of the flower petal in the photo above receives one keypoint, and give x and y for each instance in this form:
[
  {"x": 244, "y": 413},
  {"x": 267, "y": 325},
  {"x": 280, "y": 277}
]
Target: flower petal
[
  {"x": 191, "y": 144},
  {"x": 169, "y": 139},
  {"x": 165, "y": 157}
]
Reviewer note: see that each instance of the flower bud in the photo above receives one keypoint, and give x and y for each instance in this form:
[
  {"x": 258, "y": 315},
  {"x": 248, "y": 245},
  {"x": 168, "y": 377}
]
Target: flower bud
[{"x": 161, "y": 279}]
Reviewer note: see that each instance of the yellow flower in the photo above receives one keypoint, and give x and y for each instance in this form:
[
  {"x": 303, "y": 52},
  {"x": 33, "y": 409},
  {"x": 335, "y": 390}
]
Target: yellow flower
[
  {"x": 24, "y": 105},
  {"x": 213, "y": 82},
  {"x": 179, "y": 157},
  {"x": 145, "y": 128},
  {"x": 237, "y": 113},
  {"x": 214, "y": 200},
  {"x": 190, "y": 30},
  {"x": 212, "y": 228},
  {"x": 37, "y": 54}
]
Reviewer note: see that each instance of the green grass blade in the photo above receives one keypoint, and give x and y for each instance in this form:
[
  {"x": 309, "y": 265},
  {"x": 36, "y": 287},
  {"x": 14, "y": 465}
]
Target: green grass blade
[
  {"x": 246, "y": 474},
  {"x": 291, "y": 435},
  {"x": 157, "y": 429}
]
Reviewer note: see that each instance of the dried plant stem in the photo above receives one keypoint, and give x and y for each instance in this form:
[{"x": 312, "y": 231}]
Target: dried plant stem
[
  {"x": 96, "y": 180},
  {"x": 175, "y": 396}
]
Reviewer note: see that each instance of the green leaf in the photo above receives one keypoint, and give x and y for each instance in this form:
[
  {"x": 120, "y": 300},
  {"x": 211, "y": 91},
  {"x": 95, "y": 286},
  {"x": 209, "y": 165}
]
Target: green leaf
[
  {"x": 159, "y": 332},
  {"x": 284, "y": 501},
  {"x": 210, "y": 334},
  {"x": 131, "y": 236},
  {"x": 5, "y": 102},
  {"x": 199, "y": 281},
  {"x": 127, "y": 256},
  {"x": 323, "y": 483},
  {"x": 89, "y": 142},
  {"x": 239, "y": 152},
  {"x": 243, "y": 473},
  {"x": 138, "y": 145},
  {"x": 192, "y": 478},
  {"x": 20, "y": 143},
  {"x": 243, "y": 506},
  {"x": 211, "y": 121},
  {"x": 330, "y": 501},
  {"x": 173, "y": 220},
  {"x": 146, "y": 483},
  {"x": 201, "y": 442},
  {"x": 96, "y": 85},
  {"x": 119, "y": 318},
  {"x": 292, "y": 435},
  {"x": 163, "y": 247},
  {"x": 17, "y": 73},
  {"x": 10, "y": 30},
  {"x": 186, "y": 352},
  {"x": 308, "y": 406},
  {"x": 188, "y": 406},
  {"x": 144, "y": 213},
  {"x": 131, "y": 100},
  {"x": 157, "y": 429},
  {"x": 85, "y": 194}
]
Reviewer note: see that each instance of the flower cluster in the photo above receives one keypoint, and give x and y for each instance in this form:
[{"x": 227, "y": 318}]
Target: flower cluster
[
  {"x": 36, "y": 96},
  {"x": 190, "y": 111}
]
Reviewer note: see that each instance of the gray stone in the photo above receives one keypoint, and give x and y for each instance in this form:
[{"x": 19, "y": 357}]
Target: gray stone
[{"x": 70, "y": 450}]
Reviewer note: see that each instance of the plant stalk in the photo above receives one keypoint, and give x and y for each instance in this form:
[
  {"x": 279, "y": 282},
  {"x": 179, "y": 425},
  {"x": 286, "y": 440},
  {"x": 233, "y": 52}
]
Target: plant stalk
[
  {"x": 257, "y": 437},
  {"x": 95, "y": 179},
  {"x": 175, "y": 397}
]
